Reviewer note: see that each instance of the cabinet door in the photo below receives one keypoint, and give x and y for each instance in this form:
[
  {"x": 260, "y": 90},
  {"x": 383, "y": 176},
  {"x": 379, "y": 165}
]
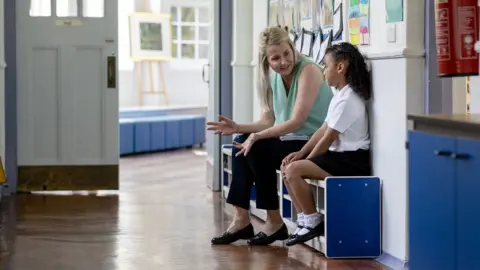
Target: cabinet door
[
  {"x": 468, "y": 204},
  {"x": 431, "y": 201}
]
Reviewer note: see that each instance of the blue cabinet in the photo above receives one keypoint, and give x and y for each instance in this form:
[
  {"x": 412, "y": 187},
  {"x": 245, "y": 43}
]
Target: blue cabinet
[
  {"x": 444, "y": 202},
  {"x": 468, "y": 205}
]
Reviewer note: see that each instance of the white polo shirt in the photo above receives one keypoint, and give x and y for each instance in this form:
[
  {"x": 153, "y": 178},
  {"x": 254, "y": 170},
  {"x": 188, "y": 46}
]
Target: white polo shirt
[{"x": 347, "y": 114}]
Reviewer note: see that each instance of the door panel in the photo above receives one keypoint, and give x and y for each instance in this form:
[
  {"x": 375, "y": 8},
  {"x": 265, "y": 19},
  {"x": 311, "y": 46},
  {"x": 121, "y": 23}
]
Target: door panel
[
  {"x": 468, "y": 203},
  {"x": 67, "y": 114},
  {"x": 45, "y": 62},
  {"x": 431, "y": 192}
]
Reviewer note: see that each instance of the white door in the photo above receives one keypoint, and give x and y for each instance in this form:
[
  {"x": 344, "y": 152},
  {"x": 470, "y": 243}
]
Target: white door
[
  {"x": 67, "y": 94},
  {"x": 213, "y": 141}
]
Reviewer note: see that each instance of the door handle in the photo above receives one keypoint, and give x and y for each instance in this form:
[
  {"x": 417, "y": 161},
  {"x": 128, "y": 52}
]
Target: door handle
[
  {"x": 203, "y": 73},
  {"x": 460, "y": 156},
  {"x": 442, "y": 153},
  {"x": 112, "y": 71}
]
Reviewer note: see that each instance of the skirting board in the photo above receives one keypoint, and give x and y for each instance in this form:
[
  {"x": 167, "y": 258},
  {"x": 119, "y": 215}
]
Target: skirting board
[
  {"x": 68, "y": 177},
  {"x": 392, "y": 262},
  {"x": 210, "y": 177}
]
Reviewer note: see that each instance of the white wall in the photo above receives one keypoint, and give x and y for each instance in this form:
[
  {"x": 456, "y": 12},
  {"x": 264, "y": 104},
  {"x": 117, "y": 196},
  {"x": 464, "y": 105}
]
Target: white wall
[
  {"x": 475, "y": 94},
  {"x": 398, "y": 86},
  {"x": 183, "y": 79}
]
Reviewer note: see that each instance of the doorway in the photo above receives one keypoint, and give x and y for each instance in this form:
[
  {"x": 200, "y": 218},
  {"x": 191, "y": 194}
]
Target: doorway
[
  {"x": 60, "y": 137},
  {"x": 61, "y": 95}
]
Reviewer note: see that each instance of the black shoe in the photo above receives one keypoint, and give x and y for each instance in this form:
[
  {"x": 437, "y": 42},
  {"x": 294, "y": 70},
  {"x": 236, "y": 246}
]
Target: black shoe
[
  {"x": 228, "y": 238},
  {"x": 261, "y": 239},
  {"x": 313, "y": 232},
  {"x": 293, "y": 235}
]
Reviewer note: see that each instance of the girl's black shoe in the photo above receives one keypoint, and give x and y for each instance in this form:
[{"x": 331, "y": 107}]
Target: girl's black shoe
[{"x": 313, "y": 232}]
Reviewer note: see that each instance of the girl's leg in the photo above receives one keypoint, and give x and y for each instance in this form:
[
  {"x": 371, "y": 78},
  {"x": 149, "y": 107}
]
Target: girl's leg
[
  {"x": 295, "y": 173},
  {"x": 296, "y": 204}
]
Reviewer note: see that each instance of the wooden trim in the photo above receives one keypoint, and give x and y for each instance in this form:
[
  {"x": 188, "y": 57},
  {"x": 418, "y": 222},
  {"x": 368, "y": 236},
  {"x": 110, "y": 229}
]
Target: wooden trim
[{"x": 68, "y": 177}]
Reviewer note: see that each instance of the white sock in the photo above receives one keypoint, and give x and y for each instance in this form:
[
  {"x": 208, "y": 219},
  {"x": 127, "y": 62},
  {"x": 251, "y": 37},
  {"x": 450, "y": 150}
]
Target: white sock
[
  {"x": 300, "y": 222},
  {"x": 310, "y": 221}
]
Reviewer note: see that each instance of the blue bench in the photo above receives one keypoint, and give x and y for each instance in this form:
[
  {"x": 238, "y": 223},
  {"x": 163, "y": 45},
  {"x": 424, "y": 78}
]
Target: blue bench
[
  {"x": 351, "y": 207},
  {"x": 153, "y": 130}
]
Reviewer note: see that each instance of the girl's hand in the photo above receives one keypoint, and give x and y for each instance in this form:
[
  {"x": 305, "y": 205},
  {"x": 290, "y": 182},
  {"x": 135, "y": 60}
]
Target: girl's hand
[
  {"x": 291, "y": 158},
  {"x": 246, "y": 146},
  {"x": 224, "y": 126}
]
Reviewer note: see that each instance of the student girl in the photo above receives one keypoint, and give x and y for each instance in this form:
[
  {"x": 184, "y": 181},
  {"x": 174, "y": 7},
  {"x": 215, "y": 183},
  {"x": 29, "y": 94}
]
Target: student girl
[
  {"x": 341, "y": 147},
  {"x": 295, "y": 100}
]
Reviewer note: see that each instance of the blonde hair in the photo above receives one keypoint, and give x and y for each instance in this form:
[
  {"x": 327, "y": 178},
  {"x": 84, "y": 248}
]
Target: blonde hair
[{"x": 270, "y": 36}]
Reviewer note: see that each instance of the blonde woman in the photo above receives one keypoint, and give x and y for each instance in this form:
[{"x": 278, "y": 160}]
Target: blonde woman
[{"x": 295, "y": 100}]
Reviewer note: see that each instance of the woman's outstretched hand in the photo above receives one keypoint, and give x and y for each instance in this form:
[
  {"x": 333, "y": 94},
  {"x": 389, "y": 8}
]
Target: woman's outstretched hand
[
  {"x": 224, "y": 126},
  {"x": 246, "y": 145}
]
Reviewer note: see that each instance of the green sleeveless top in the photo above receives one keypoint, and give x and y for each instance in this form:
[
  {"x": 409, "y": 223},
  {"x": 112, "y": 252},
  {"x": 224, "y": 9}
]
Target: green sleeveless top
[{"x": 283, "y": 105}]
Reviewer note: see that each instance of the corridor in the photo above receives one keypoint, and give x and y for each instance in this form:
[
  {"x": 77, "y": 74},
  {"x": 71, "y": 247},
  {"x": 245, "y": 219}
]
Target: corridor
[{"x": 163, "y": 218}]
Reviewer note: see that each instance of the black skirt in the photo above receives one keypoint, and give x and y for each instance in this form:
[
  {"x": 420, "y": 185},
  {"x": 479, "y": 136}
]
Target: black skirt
[{"x": 350, "y": 163}]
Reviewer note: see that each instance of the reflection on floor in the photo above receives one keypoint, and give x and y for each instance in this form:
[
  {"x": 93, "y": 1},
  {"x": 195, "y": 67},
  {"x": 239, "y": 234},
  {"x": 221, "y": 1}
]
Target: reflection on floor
[{"x": 162, "y": 218}]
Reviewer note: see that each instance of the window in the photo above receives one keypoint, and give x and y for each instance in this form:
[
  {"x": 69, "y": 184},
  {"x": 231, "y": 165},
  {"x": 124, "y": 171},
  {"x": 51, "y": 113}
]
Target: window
[
  {"x": 190, "y": 28},
  {"x": 67, "y": 8}
]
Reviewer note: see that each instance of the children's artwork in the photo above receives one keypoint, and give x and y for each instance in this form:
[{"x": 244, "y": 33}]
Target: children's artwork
[
  {"x": 359, "y": 22},
  {"x": 394, "y": 11},
  {"x": 289, "y": 13},
  {"x": 317, "y": 46},
  {"x": 307, "y": 43},
  {"x": 299, "y": 42},
  {"x": 151, "y": 36},
  {"x": 306, "y": 14},
  {"x": 337, "y": 3},
  {"x": 273, "y": 13},
  {"x": 338, "y": 23},
  {"x": 306, "y": 9},
  {"x": 326, "y": 14},
  {"x": 323, "y": 47}
]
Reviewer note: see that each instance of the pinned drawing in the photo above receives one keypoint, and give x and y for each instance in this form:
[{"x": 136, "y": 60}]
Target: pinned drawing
[{"x": 359, "y": 22}]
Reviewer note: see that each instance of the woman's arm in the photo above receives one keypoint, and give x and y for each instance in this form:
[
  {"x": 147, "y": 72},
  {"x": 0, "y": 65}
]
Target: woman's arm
[
  {"x": 267, "y": 119},
  {"x": 309, "y": 81}
]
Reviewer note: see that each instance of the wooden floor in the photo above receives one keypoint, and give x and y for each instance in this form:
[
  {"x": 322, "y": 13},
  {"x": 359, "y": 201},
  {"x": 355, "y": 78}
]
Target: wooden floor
[{"x": 163, "y": 218}]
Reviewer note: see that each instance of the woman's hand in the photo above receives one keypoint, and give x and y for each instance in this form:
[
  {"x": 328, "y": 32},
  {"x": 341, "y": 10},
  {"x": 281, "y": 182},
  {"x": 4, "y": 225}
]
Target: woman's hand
[
  {"x": 246, "y": 145},
  {"x": 224, "y": 126}
]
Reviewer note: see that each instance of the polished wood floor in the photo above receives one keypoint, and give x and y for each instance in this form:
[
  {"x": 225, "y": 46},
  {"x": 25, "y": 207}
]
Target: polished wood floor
[{"x": 163, "y": 218}]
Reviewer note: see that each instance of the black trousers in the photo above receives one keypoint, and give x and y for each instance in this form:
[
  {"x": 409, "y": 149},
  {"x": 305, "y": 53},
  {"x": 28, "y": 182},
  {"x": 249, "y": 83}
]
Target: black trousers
[{"x": 259, "y": 167}]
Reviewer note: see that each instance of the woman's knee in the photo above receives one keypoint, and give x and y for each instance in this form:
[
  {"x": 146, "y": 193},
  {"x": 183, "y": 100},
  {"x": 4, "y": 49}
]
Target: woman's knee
[
  {"x": 241, "y": 138},
  {"x": 261, "y": 148}
]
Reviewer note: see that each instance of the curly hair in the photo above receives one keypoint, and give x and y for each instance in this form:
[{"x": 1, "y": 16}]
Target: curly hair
[{"x": 357, "y": 75}]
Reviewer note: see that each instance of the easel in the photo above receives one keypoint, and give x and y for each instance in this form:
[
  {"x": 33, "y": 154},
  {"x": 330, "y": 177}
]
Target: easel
[
  {"x": 151, "y": 90},
  {"x": 140, "y": 64}
]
